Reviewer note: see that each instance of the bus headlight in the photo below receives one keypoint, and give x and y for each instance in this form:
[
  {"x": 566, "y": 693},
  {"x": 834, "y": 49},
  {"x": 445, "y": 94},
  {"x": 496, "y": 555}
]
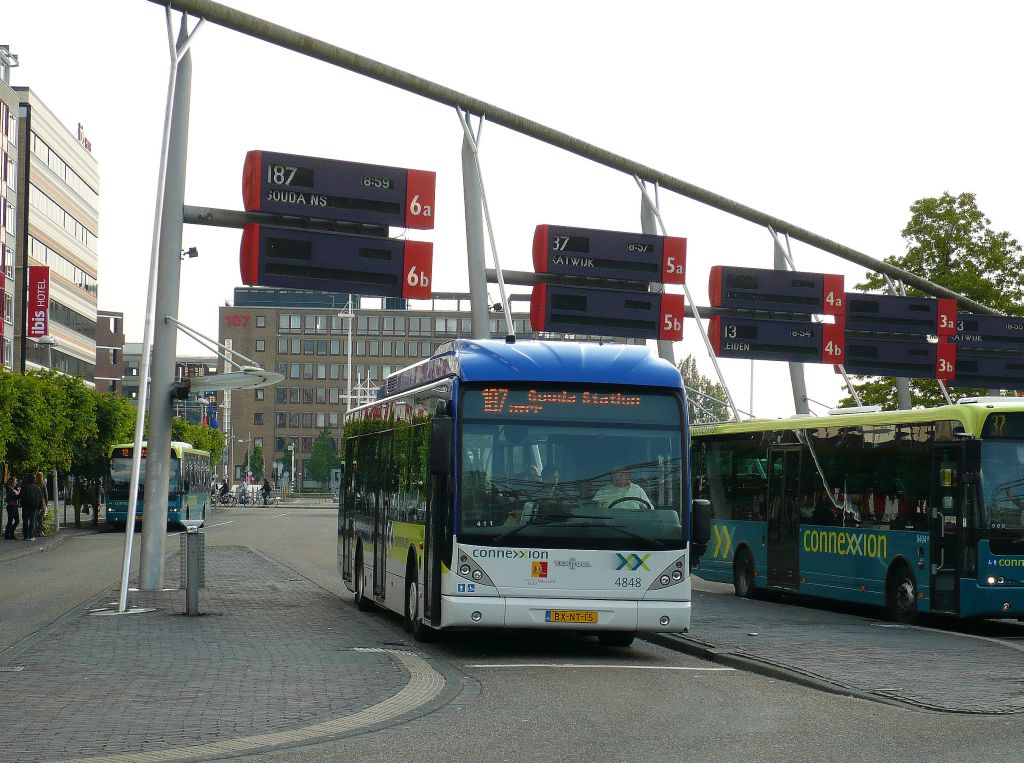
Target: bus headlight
[
  {"x": 665, "y": 580},
  {"x": 991, "y": 581},
  {"x": 477, "y": 574},
  {"x": 464, "y": 570},
  {"x": 677, "y": 575}
]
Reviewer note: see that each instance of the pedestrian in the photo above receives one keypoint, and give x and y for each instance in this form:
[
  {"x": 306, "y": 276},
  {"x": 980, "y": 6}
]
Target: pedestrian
[
  {"x": 31, "y": 502},
  {"x": 265, "y": 489},
  {"x": 12, "y": 493}
]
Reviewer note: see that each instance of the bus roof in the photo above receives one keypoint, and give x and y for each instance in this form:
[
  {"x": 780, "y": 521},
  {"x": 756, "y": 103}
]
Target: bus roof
[
  {"x": 537, "y": 361},
  {"x": 970, "y": 412},
  {"x": 176, "y": 446}
]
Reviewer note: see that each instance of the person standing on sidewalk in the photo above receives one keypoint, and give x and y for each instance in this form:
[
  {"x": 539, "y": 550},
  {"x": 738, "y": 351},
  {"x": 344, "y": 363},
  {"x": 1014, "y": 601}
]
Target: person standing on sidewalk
[
  {"x": 265, "y": 490},
  {"x": 31, "y": 503},
  {"x": 12, "y": 494}
]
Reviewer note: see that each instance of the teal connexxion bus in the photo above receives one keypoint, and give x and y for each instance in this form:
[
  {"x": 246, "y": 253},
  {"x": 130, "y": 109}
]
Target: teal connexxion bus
[
  {"x": 916, "y": 511},
  {"x": 523, "y": 485}
]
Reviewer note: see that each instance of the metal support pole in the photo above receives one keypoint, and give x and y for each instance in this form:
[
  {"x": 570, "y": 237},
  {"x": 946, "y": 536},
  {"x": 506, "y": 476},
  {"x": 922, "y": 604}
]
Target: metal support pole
[
  {"x": 193, "y": 540},
  {"x": 796, "y": 370},
  {"x": 649, "y": 224},
  {"x": 158, "y": 461},
  {"x": 478, "y": 307}
]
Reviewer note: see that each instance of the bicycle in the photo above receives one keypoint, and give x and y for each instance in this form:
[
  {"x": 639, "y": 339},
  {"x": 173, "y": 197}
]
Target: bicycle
[
  {"x": 245, "y": 498},
  {"x": 224, "y": 499}
]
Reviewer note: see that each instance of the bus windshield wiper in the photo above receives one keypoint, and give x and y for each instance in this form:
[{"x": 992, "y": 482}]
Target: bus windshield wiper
[
  {"x": 621, "y": 529},
  {"x": 534, "y": 520}
]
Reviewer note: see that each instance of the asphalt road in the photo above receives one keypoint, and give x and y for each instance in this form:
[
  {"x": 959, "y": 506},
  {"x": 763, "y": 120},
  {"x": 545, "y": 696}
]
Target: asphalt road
[{"x": 542, "y": 698}]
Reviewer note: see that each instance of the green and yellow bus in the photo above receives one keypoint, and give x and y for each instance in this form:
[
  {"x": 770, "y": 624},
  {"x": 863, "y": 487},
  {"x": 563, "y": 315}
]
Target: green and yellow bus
[
  {"x": 916, "y": 511},
  {"x": 188, "y": 494}
]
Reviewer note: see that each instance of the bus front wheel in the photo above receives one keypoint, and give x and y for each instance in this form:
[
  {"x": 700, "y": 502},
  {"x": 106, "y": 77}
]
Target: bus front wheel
[
  {"x": 901, "y": 596},
  {"x": 743, "y": 574},
  {"x": 413, "y": 623},
  {"x": 363, "y": 602}
]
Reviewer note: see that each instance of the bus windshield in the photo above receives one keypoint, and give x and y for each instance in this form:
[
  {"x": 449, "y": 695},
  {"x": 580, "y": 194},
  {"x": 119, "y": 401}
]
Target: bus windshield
[
  {"x": 571, "y": 467},
  {"x": 1002, "y": 484},
  {"x": 121, "y": 476}
]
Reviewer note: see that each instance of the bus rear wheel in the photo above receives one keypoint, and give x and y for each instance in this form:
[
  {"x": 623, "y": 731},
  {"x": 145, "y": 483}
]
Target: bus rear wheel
[
  {"x": 363, "y": 602},
  {"x": 743, "y": 574},
  {"x": 616, "y": 638},
  {"x": 901, "y": 596}
]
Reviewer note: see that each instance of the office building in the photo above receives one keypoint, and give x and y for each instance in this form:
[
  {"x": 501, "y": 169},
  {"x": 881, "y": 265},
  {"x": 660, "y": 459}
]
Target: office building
[
  {"x": 57, "y": 227},
  {"x": 8, "y": 204},
  {"x": 109, "y": 351}
]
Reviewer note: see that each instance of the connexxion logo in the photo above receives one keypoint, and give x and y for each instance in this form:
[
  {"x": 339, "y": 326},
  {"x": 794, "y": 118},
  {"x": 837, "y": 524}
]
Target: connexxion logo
[{"x": 632, "y": 562}]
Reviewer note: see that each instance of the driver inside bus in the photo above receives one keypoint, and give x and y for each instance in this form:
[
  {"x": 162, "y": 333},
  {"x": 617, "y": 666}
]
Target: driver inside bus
[{"x": 622, "y": 492}]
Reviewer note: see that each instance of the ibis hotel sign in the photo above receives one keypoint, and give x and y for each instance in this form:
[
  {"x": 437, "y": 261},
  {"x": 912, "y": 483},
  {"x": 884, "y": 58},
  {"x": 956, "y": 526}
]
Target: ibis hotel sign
[{"x": 38, "y": 301}]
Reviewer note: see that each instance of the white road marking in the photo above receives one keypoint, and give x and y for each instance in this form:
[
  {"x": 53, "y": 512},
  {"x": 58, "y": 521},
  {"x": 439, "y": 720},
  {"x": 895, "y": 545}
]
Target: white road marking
[
  {"x": 219, "y": 524},
  {"x": 599, "y": 665},
  {"x": 280, "y": 515}
]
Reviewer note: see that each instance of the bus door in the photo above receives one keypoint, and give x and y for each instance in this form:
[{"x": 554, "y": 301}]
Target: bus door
[
  {"x": 381, "y": 519},
  {"x": 346, "y": 512},
  {"x": 946, "y": 527},
  {"x": 783, "y": 517}
]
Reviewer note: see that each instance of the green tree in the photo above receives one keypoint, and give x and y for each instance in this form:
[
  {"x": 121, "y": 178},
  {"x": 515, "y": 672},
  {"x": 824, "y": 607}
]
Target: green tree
[
  {"x": 115, "y": 423},
  {"x": 256, "y": 462},
  {"x": 323, "y": 458},
  {"x": 8, "y": 398},
  {"x": 705, "y": 400},
  {"x": 199, "y": 436},
  {"x": 950, "y": 242}
]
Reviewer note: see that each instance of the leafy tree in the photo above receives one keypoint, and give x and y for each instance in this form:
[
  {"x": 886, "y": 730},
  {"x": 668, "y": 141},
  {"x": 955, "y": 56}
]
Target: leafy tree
[
  {"x": 705, "y": 400},
  {"x": 950, "y": 242},
  {"x": 115, "y": 422},
  {"x": 7, "y": 401},
  {"x": 39, "y": 421},
  {"x": 199, "y": 436},
  {"x": 323, "y": 458},
  {"x": 256, "y": 462}
]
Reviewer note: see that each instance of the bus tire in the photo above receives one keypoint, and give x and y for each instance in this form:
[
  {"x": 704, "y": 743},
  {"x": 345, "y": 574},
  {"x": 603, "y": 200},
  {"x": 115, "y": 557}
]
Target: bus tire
[
  {"x": 363, "y": 602},
  {"x": 413, "y": 623},
  {"x": 901, "y": 595},
  {"x": 616, "y": 638},
  {"x": 743, "y": 573}
]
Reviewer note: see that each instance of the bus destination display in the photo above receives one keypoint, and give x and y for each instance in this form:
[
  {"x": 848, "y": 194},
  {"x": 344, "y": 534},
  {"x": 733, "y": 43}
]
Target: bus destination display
[
  {"x": 332, "y": 189},
  {"x": 339, "y": 262},
  {"x": 609, "y": 254},
  {"x": 889, "y": 314},
  {"x": 569, "y": 405}
]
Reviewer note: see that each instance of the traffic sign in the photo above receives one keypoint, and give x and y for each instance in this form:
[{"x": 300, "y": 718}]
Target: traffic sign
[
  {"x": 974, "y": 369},
  {"x": 989, "y": 332},
  {"x": 302, "y": 259},
  {"x": 607, "y": 312},
  {"x": 913, "y": 359},
  {"x": 760, "y": 339},
  {"x": 888, "y": 314},
  {"x": 776, "y": 291},
  {"x": 331, "y": 189},
  {"x": 609, "y": 254}
]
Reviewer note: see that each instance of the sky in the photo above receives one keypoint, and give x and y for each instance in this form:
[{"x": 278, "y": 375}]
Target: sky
[{"x": 833, "y": 117}]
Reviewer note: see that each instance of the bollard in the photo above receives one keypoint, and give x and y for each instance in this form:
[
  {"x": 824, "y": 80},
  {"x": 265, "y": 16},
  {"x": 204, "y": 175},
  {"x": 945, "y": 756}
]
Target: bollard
[{"x": 193, "y": 542}]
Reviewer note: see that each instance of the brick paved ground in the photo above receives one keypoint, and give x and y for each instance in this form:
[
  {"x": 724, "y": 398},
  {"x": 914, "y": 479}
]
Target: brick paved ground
[
  {"x": 272, "y": 652},
  {"x": 921, "y": 666}
]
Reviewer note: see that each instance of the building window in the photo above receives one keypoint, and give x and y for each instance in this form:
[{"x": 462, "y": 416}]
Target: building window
[
  {"x": 257, "y": 442},
  {"x": 307, "y": 420},
  {"x": 294, "y": 420},
  {"x": 257, "y": 418},
  {"x": 261, "y": 345},
  {"x": 295, "y": 371},
  {"x": 321, "y": 420},
  {"x": 282, "y": 346},
  {"x": 261, "y": 321},
  {"x": 335, "y": 347},
  {"x": 294, "y": 394},
  {"x": 307, "y": 395},
  {"x": 259, "y": 394},
  {"x": 280, "y": 419},
  {"x": 280, "y": 394},
  {"x": 279, "y": 444}
]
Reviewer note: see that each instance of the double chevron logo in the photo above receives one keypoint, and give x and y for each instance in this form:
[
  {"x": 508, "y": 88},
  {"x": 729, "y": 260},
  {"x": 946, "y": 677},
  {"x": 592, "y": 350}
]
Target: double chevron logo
[
  {"x": 721, "y": 542},
  {"x": 632, "y": 562}
]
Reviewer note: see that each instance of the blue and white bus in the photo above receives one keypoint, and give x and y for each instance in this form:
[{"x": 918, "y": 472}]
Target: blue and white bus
[
  {"x": 188, "y": 485},
  {"x": 523, "y": 485},
  {"x": 916, "y": 511}
]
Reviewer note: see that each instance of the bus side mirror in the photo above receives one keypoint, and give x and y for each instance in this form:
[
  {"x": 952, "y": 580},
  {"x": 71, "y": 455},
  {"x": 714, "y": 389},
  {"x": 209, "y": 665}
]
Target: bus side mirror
[
  {"x": 701, "y": 518},
  {"x": 441, "y": 437}
]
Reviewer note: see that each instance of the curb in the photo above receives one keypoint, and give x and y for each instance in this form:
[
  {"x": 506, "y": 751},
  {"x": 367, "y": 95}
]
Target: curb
[{"x": 731, "y": 659}]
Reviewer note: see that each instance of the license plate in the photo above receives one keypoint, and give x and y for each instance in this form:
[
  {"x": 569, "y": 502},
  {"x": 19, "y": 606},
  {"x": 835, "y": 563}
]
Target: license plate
[{"x": 567, "y": 616}]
